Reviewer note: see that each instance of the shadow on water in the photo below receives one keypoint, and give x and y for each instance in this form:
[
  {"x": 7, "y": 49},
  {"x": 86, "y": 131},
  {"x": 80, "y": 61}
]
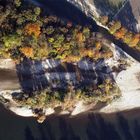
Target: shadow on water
[
  {"x": 66, "y": 131},
  {"x": 43, "y": 135},
  {"x": 136, "y": 128},
  {"x": 46, "y": 131},
  {"x": 88, "y": 127},
  {"x": 92, "y": 127},
  {"x": 99, "y": 129},
  {"x": 28, "y": 134},
  {"x": 124, "y": 128}
]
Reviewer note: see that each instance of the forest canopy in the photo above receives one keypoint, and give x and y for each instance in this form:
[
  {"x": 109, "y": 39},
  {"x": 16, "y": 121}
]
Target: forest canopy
[{"x": 26, "y": 32}]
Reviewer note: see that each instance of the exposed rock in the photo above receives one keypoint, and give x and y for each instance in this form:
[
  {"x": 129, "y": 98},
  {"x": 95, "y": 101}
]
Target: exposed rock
[{"x": 41, "y": 119}]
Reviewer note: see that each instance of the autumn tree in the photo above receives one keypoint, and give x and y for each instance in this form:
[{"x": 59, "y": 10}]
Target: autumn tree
[
  {"x": 17, "y": 2},
  {"x": 128, "y": 37},
  {"x": 134, "y": 41},
  {"x": 41, "y": 52},
  {"x": 98, "y": 45},
  {"x": 120, "y": 33},
  {"x": 116, "y": 25},
  {"x": 49, "y": 30},
  {"x": 90, "y": 53},
  {"x": 80, "y": 37},
  {"x": 138, "y": 46},
  {"x": 12, "y": 41},
  {"x": 37, "y": 11},
  {"x": 32, "y": 29},
  {"x": 86, "y": 52},
  {"x": 27, "y": 51},
  {"x": 86, "y": 32},
  {"x": 71, "y": 58}
]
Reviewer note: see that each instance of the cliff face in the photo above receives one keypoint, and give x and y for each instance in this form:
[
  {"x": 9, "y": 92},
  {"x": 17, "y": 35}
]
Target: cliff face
[
  {"x": 127, "y": 11},
  {"x": 130, "y": 15},
  {"x": 99, "y": 7}
]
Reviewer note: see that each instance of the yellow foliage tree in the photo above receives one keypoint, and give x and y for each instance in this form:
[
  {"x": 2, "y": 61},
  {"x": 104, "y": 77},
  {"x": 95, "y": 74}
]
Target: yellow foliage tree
[
  {"x": 71, "y": 58},
  {"x": 80, "y": 37},
  {"x": 116, "y": 25},
  {"x": 128, "y": 37},
  {"x": 98, "y": 45},
  {"x": 89, "y": 53},
  {"x": 134, "y": 41}
]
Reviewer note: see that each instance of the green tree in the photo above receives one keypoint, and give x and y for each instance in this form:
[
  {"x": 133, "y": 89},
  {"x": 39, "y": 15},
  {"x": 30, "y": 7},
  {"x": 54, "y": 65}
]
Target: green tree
[
  {"x": 86, "y": 32},
  {"x": 50, "y": 30},
  {"x": 37, "y": 11},
  {"x": 12, "y": 41},
  {"x": 17, "y": 2}
]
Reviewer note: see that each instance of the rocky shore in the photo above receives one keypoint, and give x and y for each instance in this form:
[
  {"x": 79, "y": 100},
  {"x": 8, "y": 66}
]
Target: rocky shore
[{"x": 128, "y": 81}]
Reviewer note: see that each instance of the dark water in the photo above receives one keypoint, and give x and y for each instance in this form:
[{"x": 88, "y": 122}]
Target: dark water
[{"x": 120, "y": 126}]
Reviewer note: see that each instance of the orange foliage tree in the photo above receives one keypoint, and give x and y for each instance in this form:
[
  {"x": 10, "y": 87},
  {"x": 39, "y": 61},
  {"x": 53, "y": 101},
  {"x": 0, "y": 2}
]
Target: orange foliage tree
[
  {"x": 32, "y": 29},
  {"x": 98, "y": 45},
  {"x": 27, "y": 51},
  {"x": 120, "y": 33}
]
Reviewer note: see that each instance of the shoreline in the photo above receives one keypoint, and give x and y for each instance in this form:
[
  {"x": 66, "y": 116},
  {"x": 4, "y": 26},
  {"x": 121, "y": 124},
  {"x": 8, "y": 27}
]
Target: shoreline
[
  {"x": 114, "y": 107},
  {"x": 79, "y": 107}
]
